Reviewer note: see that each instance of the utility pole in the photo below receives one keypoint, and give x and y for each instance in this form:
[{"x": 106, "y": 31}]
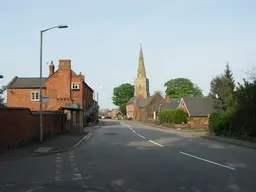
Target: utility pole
[{"x": 41, "y": 78}]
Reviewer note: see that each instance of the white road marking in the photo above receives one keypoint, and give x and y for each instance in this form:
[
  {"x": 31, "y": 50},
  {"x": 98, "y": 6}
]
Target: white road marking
[
  {"x": 140, "y": 136},
  {"x": 133, "y": 131},
  {"x": 75, "y": 169},
  {"x": 155, "y": 143},
  {"x": 208, "y": 161},
  {"x": 9, "y": 185},
  {"x": 125, "y": 125},
  {"x": 76, "y": 178},
  {"x": 36, "y": 188}
]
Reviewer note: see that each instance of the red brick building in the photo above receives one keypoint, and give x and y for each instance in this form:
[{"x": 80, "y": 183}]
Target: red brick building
[{"x": 62, "y": 87}]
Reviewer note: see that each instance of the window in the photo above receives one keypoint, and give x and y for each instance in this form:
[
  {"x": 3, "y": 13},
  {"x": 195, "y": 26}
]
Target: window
[
  {"x": 35, "y": 96},
  {"x": 75, "y": 86}
]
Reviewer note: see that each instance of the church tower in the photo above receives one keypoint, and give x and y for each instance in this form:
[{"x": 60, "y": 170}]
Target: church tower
[{"x": 141, "y": 83}]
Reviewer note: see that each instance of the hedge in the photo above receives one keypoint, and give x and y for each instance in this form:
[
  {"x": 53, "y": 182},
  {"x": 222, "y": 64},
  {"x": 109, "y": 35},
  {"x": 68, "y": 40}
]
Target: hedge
[
  {"x": 177, "y": 116},
  {"x": 219, "y": 123}
]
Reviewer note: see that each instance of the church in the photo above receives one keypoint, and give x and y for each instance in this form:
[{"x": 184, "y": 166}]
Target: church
[{"x": 142, "y": 106}]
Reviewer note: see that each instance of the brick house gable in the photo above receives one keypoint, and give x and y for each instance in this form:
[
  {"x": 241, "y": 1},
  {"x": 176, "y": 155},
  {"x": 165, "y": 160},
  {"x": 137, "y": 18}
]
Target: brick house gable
[{"x": 57, "y": 87}]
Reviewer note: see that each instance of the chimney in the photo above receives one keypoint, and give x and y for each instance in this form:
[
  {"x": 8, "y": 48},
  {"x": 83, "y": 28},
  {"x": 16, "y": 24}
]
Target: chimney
[
  {"x": 51, "y": 68},
  {"x": 65, "y": 64},
  {"x": 81, "y": 76},
  {"x": 167, "y": 99}
]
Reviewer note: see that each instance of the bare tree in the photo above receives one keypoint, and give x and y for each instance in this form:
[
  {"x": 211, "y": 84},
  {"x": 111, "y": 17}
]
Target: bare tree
[{"x": 251, "y": 74}]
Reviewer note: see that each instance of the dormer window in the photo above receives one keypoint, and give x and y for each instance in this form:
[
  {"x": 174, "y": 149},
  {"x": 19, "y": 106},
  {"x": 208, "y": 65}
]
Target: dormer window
[{"x": 75, "y": 86}]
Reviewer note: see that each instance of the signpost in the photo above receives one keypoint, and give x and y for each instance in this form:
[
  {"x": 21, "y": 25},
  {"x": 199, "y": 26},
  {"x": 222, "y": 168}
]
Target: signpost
[{"x": 44, "y": 99}]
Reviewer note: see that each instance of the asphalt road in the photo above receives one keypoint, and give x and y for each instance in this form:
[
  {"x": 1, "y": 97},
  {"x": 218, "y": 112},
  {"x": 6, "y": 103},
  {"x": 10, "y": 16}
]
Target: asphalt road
[{"x": 130, "y": 157}]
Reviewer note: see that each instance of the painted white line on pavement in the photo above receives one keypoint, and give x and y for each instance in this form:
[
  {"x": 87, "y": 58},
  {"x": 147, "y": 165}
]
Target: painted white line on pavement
[
  {"x": 133, "y": 131},
  {"x": 208, "y": 161},
  {"x": 126, "y": 125},
  {"x": 155, "y": 143},
  {"x": 140, "y": 136},
  {"x": 36, "y": 188}
]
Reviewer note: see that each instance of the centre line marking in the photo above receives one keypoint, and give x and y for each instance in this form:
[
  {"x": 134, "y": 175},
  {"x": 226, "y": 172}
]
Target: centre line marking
[
  {"x": 155, "y": 143},
  {"x": 208, "y": 161},
  {"x": 133, "y": 131},
  {"x": 140, "y": 136}
]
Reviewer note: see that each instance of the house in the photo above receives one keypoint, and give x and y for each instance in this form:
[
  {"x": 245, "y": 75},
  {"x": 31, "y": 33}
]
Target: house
[
  {"x": 63, "y": 88},
  {"x": 115, "y": 113},
  {"x": 198, "y": 109}
]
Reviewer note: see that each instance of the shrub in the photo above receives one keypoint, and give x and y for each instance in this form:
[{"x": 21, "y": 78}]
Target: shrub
[
  {"x": 219, "y": 123},
  {"x": 177, "y": 116},
  {"x": 129, "y": 118}
]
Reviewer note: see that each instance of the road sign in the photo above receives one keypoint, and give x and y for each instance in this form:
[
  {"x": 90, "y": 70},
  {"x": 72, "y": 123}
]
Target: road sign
[{"x": 44, "y": 99}]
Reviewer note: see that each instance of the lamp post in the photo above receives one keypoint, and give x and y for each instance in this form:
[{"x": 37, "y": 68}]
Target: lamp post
[{"x": 41, "y": 71}]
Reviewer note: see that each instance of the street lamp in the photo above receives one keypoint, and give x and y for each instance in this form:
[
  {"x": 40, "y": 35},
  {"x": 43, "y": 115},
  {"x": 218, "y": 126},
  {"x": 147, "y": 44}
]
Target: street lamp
[{"x": 41, "y": 71}]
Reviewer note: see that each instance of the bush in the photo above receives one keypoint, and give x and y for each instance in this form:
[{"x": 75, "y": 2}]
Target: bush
[
  {"x": 219, "y": 123},
  {"x": 129, "y": 118},
  {"x": 177, "y": 116}
]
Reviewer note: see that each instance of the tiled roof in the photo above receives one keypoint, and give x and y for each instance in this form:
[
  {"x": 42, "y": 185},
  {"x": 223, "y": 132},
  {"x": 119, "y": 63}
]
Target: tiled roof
[
  {"x": 131, "y": 100},
  {"x": 147, "y": 101},
  {"x": 142, "y": 102},
  {"x": 199, "y": 106},
  {"x": 173, "y": 104},
  {"x": 26, "y": 82}
]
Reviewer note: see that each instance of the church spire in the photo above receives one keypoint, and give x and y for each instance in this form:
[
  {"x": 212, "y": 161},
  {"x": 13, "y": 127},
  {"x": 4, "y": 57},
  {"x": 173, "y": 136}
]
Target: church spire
[{"x": 141, "y": 68}]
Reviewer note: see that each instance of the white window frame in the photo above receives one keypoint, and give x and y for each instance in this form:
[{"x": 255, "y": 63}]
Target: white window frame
[
  {"x": 75, "y": 86},
  {"x": 35, "y": 96}
]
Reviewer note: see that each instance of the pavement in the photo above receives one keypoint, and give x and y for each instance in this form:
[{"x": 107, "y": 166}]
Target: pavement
[
  {"x": 130, "y": 157},
  {"x": 57, "y": 144}
]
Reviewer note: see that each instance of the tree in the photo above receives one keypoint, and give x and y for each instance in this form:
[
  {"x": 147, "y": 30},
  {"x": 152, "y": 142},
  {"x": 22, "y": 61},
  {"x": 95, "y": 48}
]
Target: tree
[
  {"x": 121, "y": 96},
  {"x": 218, "y": 91},
  {"x": 222, "y": 90},
  {"x": 251, "y": 74},
  {"x": 181, "y": 87},
  {"x": 1, "y": 95},
  {"x": 229, "y": 76},
  {"x": 243, "y": 120}
]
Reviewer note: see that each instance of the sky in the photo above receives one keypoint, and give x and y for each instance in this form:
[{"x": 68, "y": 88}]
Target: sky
[{"x": 180, "y": 38}]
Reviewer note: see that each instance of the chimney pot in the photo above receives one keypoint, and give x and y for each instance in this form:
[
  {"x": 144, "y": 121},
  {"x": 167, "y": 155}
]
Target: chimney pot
[
  {"x": 51, "y": 68},
  {"x": 81, "y": 76}
]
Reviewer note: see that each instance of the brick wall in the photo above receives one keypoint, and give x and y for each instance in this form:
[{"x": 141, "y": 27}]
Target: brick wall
[
  {"x": 198, "y": 120},
  {"x": 88, "y": 96},
  {"x": 18, "y": 124}
]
